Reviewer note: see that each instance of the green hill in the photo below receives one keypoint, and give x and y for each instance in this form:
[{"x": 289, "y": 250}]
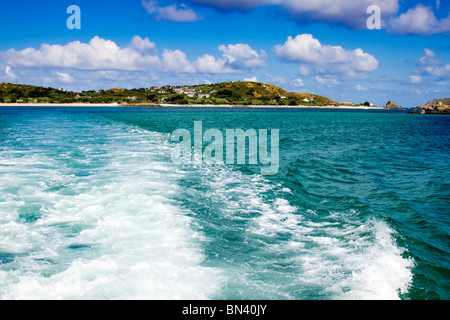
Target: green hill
[
  {"x": 235, "y": 93},
  {"x": 257, "y": 93}
]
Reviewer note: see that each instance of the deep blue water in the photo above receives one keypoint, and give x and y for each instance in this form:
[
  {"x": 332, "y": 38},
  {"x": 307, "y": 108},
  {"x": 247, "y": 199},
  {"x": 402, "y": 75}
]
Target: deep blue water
[{"x": 92, "y": 206}]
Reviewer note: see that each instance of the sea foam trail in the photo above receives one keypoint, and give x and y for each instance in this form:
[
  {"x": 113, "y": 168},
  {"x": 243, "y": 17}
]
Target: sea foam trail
[
  {"x": 87, "y": 212},
  {"x": 271, "y": 249}
]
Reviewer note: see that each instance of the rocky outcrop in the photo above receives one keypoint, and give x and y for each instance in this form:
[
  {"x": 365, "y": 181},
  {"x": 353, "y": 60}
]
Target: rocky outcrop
[
  {"x": 391, "y": 105},
  {"x": 442, "y": 109},
  {"x": 436, "y": 102},
  {"x": 435, "y": 106}
]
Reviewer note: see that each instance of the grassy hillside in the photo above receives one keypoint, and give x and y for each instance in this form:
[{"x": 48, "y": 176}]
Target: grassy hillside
[
  {"x": 236, "y": 93},
  {"x": 246, "y": 92}
]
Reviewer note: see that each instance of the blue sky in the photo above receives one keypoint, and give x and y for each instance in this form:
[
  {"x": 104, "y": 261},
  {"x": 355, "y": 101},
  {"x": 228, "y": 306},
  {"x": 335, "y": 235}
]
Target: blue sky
[{"x": 322, "y": 47}]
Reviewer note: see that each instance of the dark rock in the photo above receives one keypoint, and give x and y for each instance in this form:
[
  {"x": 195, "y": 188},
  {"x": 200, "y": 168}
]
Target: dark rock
[{"x": 392, "y": 105}]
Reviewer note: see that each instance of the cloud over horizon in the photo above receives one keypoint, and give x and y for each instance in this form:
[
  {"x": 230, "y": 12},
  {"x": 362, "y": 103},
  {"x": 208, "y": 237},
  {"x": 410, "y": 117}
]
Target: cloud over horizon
[
  {"x": 308, "y": 51},
  {"x": 98, "y": 54},
  {"x": 139, "y": 55}
]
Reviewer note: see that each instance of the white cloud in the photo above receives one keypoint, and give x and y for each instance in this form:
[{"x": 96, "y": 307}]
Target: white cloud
[
  {"x": 98, "y": 54},
  {"x": 360, "y": 88},
  {"x": 142, "y": 45},
  {"x": 327, "y": 81},
  {"x": 345, "y": 12},
  {"x": 209, "y": 64},
  {"x": 418, "y": 20},
  {"x": 64, "y": 77},
  {"x": 252, "y": 79},
  {"x": 10, "y": 73},
  {"x": 139, "y": 55},
  {"x": 349, "y": 13},
  {"x": 429, "y": 66},
  {"x": 415, "y": 79},
  {"x": 242, "y": 56},
  {"x": 235, "y": 58},
  {"x": 306, "y": 49},
  {"x": 304, "y": 71},
  {"x": 175, "y": 61},
  {"x": 172, "y": 13},
  {"x": 298, "y": 82}
]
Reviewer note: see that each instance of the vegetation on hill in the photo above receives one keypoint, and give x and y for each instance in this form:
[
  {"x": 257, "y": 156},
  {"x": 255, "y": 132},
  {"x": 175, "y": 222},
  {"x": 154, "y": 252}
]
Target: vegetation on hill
[
  {"x": 256, "y": 93},
  {"x": 235, "y": 93}
]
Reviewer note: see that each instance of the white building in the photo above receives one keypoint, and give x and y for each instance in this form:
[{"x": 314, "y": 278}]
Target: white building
[{"x": 203, "y": 95}]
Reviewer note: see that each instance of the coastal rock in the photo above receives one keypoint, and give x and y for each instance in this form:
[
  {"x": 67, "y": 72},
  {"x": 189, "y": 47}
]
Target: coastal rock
[
  {"x": 391, "y": 105},
  {"x": 435, "y": 102},
  {"x": 435, "y": 106}
]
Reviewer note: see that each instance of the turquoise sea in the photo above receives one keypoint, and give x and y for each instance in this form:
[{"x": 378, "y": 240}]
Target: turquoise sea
[{"x": 92, "y": 207}]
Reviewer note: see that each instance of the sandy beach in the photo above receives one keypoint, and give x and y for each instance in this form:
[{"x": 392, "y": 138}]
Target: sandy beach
[{"x": 59, "y": 105}]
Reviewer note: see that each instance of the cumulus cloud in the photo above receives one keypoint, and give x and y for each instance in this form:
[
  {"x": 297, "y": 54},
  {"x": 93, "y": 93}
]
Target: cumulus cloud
[
  {"x": 64, "y": 77},
  {"x": 98, "y": 54},
  {"x": 175, "y": 61},
  {"x": 298, "y": 82},
  {"x": 419, "y": 20},
  {"x": 172, "y": 13},
  {"x": 139, "y": 55},
  {"x": 142, "y": 45},
  {"x": 10, "y": 73},
  {"x": 209, "y": 64},
  {"x": 252, "y": 79},
  {"x": 349, "y": 13},
  {"x": 432, "y": 67},
  {"x": 235, "y": 57},
  {"x": 306, "y": 49},
  {"x": 242, "y": 56}
]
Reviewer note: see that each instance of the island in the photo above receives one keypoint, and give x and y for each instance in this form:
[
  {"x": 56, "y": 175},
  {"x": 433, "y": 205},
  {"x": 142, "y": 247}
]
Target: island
[{"x": 236, "y": 93}]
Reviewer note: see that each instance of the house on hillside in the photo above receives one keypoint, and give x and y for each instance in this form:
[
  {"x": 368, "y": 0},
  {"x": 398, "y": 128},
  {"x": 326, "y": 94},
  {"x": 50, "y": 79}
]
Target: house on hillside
[
  {"x": 203, "y": 95},
  {"x": 178, "y": 90},
  {"x": 134, "y": 98}
]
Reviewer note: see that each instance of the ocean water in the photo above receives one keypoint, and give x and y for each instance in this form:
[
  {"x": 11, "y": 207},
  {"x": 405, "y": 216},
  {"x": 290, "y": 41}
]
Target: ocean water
[{"x": 92, "y": 207}]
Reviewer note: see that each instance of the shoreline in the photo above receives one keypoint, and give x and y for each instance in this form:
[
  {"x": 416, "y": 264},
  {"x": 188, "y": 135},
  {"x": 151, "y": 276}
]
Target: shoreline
[{"x": 87, "y": 105}]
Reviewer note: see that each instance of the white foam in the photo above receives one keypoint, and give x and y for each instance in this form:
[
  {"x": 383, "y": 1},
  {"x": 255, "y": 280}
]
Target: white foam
[
  {"x": 380, "y": 271},
  {"x": 343, "y": 255},
  {"x": 349, "y": 261},
  {"x": 139, "y": 243}
]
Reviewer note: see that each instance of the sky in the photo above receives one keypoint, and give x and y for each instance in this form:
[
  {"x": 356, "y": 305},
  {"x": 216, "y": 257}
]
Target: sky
[{"x": 349, "y": 51}]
